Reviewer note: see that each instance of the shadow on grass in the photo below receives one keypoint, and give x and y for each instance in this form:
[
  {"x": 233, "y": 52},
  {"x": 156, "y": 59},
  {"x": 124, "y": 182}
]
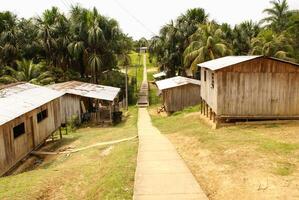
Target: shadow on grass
[{"x": 50, "y": 146}]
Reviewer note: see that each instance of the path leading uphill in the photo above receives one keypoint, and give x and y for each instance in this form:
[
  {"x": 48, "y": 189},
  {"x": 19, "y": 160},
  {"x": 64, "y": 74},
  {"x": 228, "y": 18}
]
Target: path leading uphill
[
  {"x": 143, "y": 92},
  {"x": 161, "y": 173}
]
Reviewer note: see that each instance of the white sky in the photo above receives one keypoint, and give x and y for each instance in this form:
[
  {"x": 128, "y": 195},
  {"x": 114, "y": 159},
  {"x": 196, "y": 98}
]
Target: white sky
[{"x": 151, "y": 13}]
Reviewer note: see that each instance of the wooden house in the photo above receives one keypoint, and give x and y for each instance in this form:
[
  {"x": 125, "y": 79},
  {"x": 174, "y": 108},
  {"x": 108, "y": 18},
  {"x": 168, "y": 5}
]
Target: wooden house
[
  {"x": 143, "y": 50},
  {"x": 179, "y": 92},
  {"x": 29, "y": 114},
  {"x": 250, "y": 87},
  {"x": 87, "y": 101}
]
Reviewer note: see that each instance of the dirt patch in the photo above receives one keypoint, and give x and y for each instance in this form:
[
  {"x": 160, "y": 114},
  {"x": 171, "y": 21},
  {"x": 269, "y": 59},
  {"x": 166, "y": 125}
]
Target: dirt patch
[{"x": 236, "y": 172}]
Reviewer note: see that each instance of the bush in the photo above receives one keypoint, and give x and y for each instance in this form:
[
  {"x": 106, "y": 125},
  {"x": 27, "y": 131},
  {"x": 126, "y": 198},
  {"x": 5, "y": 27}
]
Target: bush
[{"x": 74, "y": 122}]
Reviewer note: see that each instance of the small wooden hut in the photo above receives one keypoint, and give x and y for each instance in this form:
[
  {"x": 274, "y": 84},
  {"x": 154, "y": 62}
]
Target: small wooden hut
[
  {"x": 29, "y": 114},
  {"x": 87, "y": 101},
  {"x": 179, "y": 92},
  {"x": 250, "y": 87},
  {"x": 159, "y": 76}
]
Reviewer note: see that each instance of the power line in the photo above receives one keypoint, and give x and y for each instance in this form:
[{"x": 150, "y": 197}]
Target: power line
[
  {"x": 135, "y": 18},
  {"x": 65, "y": 4},
  {"x": 72, "y": 3}
]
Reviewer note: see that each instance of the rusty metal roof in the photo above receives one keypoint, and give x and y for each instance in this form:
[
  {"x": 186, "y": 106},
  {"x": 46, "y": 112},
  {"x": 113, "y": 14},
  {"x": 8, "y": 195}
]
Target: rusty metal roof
[
  {"x": 18, "y": 99},
  {"x": 223, "y": 62},
  {"x": 87, "y": 90},
  {"x": 176, "y": 82}
]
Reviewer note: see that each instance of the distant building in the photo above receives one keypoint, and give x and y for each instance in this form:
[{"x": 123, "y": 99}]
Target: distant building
[
  {"x": 159, "y": 76},
  {"x": 250, "y": 87},
  {"x": 143, "y": 49},
  {"x": 29, "y": 114},
  {"x": 179, "y": 92}
]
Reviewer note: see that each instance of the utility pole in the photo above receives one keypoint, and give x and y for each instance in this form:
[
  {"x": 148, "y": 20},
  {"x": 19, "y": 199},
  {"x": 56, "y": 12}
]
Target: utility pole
[
  {"x": 139, "y": 60},
  {"x": 127, "y": 87}
]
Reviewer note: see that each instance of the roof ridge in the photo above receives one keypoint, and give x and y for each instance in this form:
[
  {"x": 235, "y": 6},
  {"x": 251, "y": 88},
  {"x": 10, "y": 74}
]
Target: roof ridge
[{"x": 11, "y": 85}]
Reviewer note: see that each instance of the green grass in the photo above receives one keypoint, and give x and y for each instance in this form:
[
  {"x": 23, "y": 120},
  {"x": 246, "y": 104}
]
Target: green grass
[
  {"x": 284, "y": 168},
  {"x": 83, "y": 175},
  {"x": 153, "y": 96},
  {"x": 152, "y": 67},
  {"x": 258, "y": 140},
  {"x": 278, "y": 146}
]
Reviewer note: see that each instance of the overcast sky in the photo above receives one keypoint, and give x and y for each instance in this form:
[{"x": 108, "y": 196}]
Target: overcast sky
[{"x": 143, "y": 18}]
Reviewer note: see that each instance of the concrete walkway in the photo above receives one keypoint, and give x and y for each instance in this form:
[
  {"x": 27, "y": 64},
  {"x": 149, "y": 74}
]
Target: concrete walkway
[
  {"x": 161, "y": 173},
  {"x": 143, "y": 100}
]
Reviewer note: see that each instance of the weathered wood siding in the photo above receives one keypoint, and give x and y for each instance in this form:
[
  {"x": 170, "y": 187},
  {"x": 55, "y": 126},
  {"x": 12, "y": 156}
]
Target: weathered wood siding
[
  {"x": 207, "y": 93},
  {"x": 70, "y": 106},
  {"x": 178, "y": 98},
  {"x": 13, "y": 150},
  {"x": 258, "y": 88}
]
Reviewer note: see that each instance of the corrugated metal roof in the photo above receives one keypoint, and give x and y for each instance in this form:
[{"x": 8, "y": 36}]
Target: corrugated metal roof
[
  {"x": 225, "y": 62},
  {"x": 87, "y": 90},
  {"x": 160, "y": 74},
  {"x": 176, "y": 82},
  {"x": 20, "y": 99}
]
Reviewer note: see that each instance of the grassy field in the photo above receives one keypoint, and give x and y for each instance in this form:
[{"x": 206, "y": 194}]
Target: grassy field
[
  {"x": 151, "y": 67},
  {"x": 236, "y": 162},
  {"x": 97, "y": 173}
]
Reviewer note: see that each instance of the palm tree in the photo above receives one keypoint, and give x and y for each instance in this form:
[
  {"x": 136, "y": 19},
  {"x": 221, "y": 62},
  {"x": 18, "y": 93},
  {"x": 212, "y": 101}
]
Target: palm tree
[
  {"x": 174, "y": 37},
  {"x": 272, "y": 44},
  {"x": 277, "y": 15},
  {"x": 8, "y": 38},
  {"x": 27, "y": 71},
  {"x": 87, "y": 40},
  {"x": 242, "y": 35},
  {"x": 45, "y": 25},
  {"x": 27, "y": 34},
  {"x": 207, "y": 44}
]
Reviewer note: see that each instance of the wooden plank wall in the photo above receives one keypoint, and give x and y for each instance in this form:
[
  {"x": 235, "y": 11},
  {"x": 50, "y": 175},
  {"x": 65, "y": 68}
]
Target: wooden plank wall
[
  {"x": 258, "y": 88},
  {"x": 207, "y": 93},
  {"x": 70, "y": 106},
  {"x": 13, "y": 150},
  {"x": 178, "y": 98}
]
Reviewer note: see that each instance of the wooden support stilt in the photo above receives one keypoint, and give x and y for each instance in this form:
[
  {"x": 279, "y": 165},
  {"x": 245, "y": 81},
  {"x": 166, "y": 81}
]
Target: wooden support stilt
[
  {"x": 210, "y": 113},
  {"x": 207, "y": 107},
  {"x": 60, "y": 134},
  {"x": 214, "y": 117},
  {"x": 201, "y": 106}
]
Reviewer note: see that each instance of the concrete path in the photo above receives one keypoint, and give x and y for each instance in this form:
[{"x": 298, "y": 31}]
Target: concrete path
[
  {"x": 143, "y": 100},
  {"x": 161, "y": 173}
]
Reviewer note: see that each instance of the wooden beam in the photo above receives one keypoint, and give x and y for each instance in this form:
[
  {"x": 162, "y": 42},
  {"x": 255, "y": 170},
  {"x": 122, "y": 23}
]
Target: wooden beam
[{"x": 214, "y": 117}]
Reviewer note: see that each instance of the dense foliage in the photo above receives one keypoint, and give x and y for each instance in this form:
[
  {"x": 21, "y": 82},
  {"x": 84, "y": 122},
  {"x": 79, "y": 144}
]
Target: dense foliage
[
  {"x": 193, "y": 38},
  {"x": 56, "y": 47}
]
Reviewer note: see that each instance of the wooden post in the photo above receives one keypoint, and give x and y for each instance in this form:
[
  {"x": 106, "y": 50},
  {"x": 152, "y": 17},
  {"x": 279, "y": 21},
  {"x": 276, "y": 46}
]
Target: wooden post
[
  {"x": 210, "y": 113},
  {"x": 214, "y": 117},
  {"x": 207, "y": 110},
  {"x": 110, "y": 112},
  {"x": 60, "y": 134},
  {"x": 201, "y": 106}
]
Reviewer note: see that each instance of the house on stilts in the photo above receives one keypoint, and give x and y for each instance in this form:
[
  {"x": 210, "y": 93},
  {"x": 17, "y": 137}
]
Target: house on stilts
[
  {"x": 29, "y": 114},
  {"x": 249, "y": 87}
]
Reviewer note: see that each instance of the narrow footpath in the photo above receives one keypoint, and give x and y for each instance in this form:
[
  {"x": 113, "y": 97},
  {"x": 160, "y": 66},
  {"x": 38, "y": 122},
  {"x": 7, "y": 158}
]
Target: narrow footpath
[
  {"x": 161, "y": 173},
  {"x": 143, "y": 92}
]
